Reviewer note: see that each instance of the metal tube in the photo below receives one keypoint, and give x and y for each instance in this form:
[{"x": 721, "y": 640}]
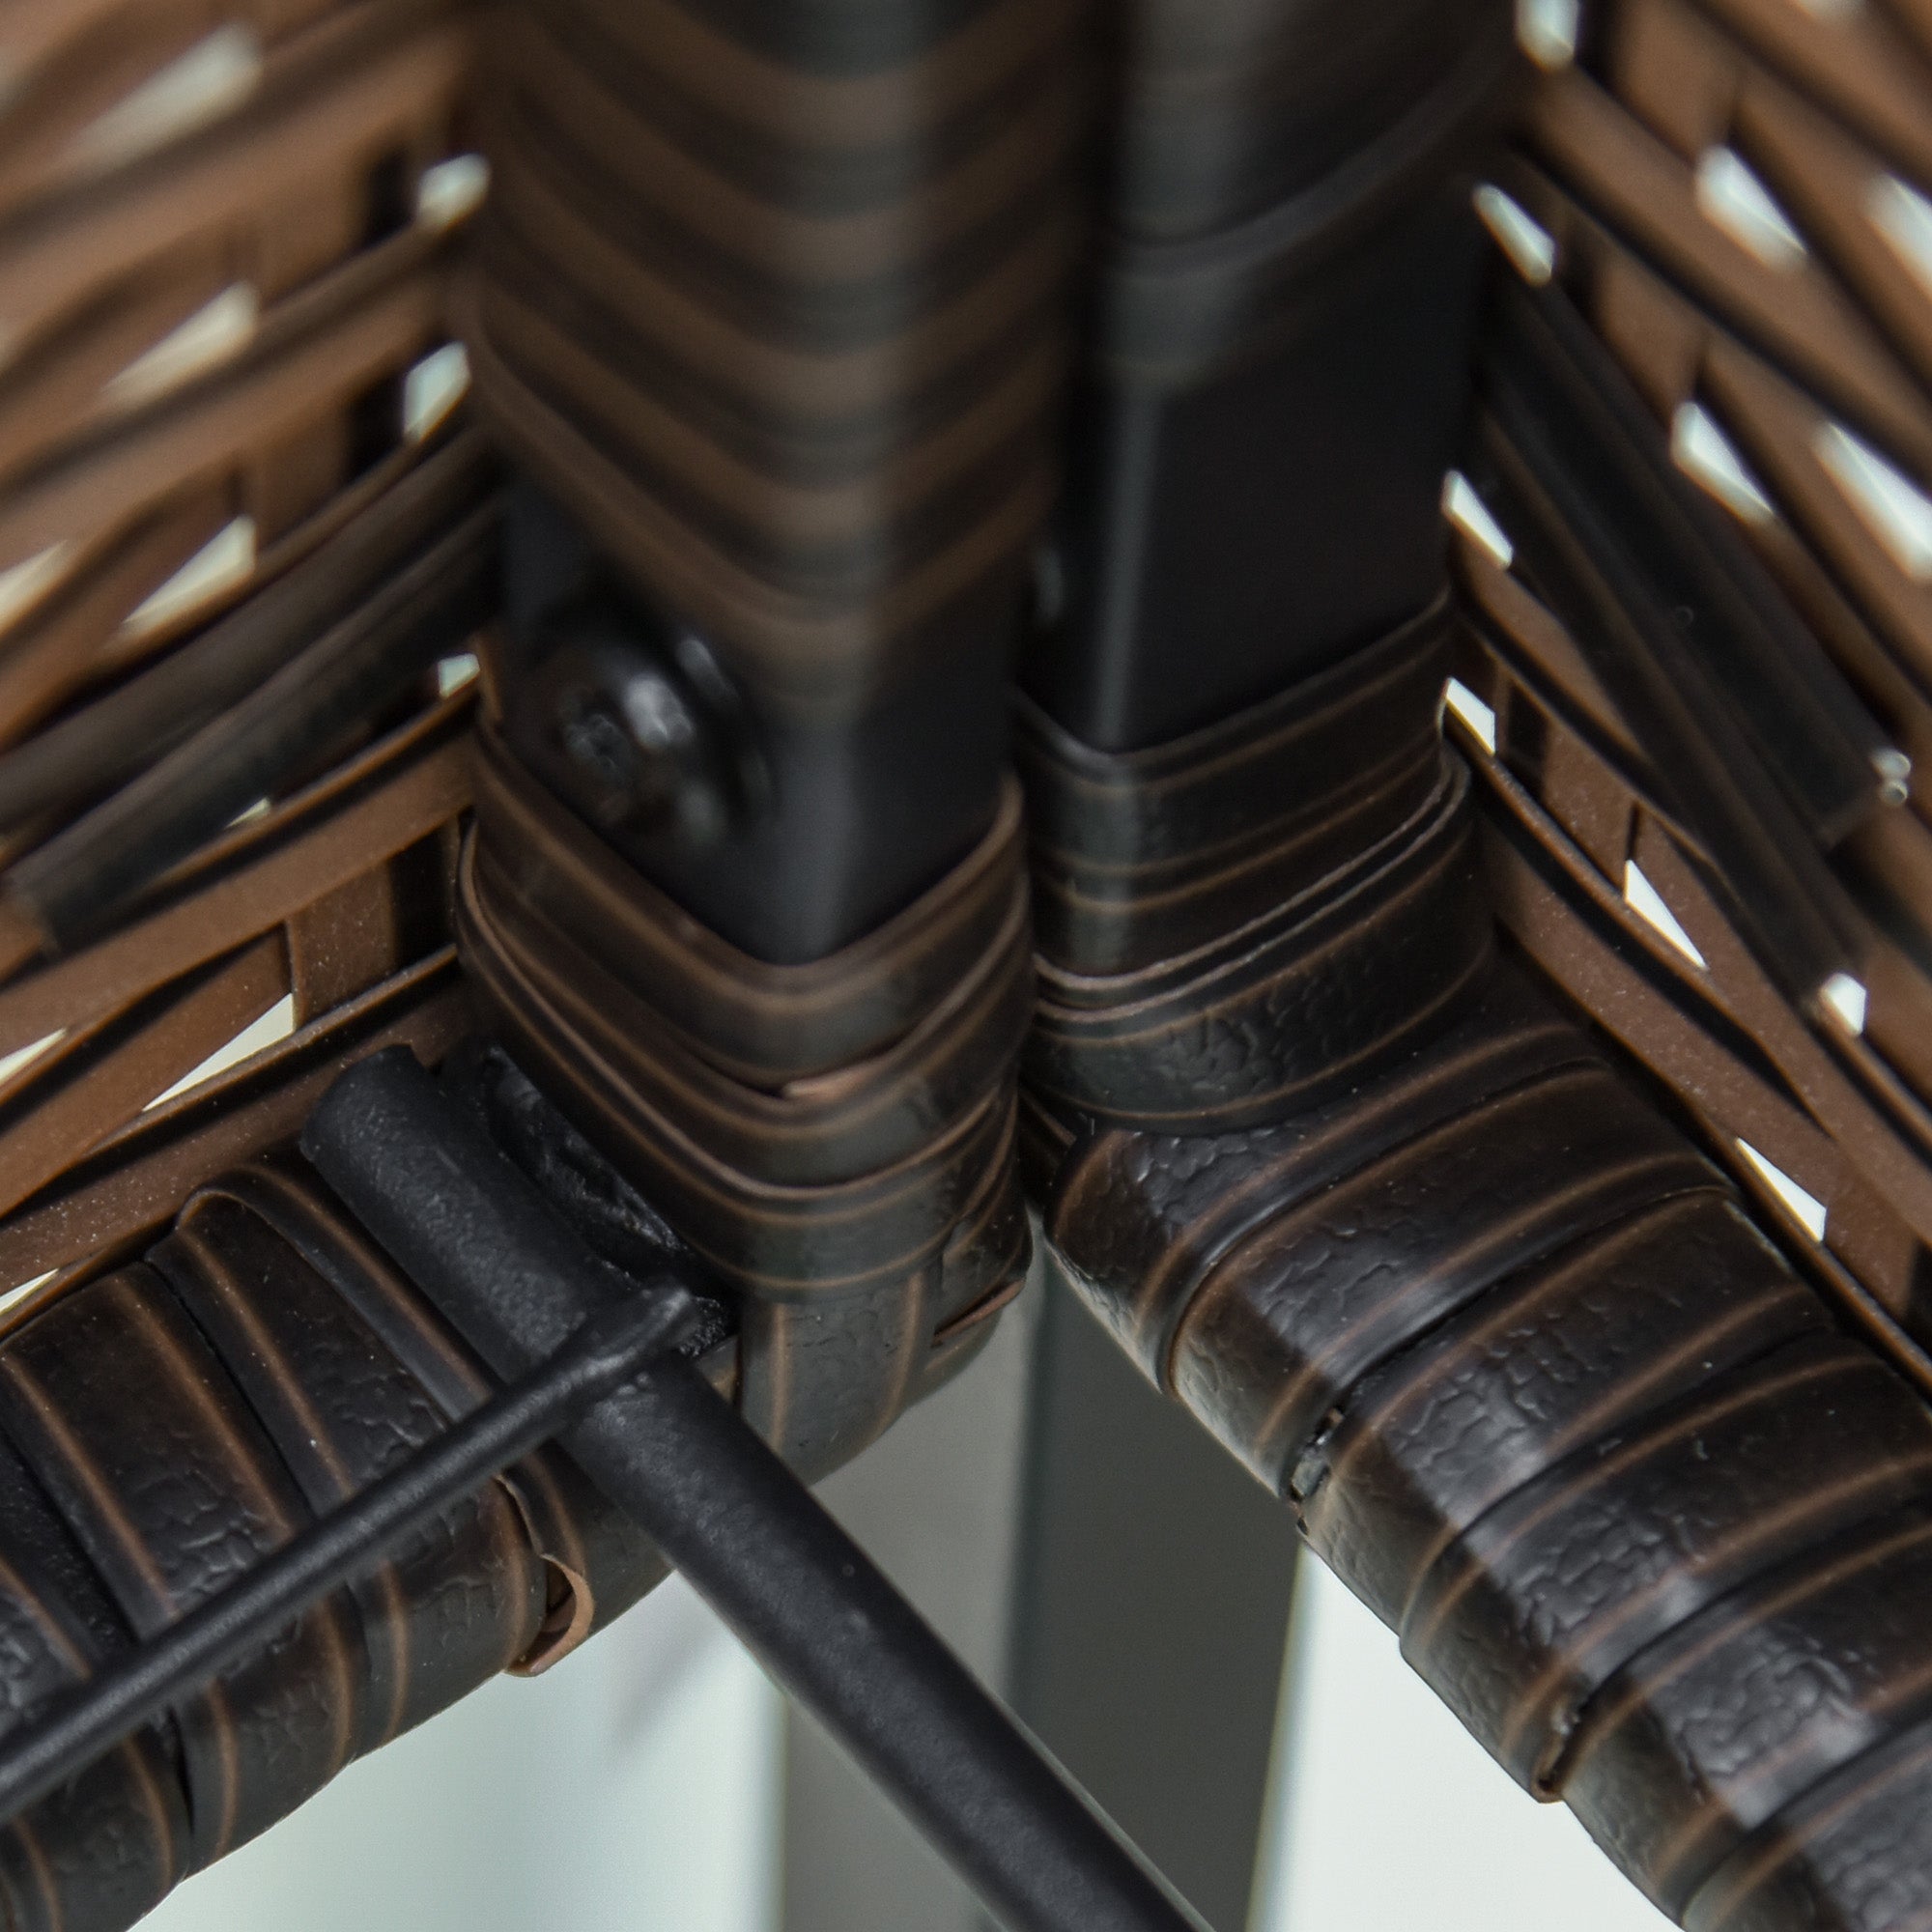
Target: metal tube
[{"x": 479, "y": 1241}]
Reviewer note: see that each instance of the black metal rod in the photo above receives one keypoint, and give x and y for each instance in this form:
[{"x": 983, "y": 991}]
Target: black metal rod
[
  {"x": 472, "y": 1233},
  {"x": 836, "y": 1634},
  {"x": 603, "y": 1352}
]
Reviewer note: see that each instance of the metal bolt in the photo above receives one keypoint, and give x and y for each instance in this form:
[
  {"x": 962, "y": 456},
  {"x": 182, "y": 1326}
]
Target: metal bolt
[{"x": 648, "y": 736}]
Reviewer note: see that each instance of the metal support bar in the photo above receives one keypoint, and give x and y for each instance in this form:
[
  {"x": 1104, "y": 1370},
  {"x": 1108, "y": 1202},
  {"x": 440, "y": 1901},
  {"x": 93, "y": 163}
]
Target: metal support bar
[
  {"x": 604, "y": 1351},
  {"x": 1150, "y": 1614},
  {"x": 475, "y": 1236},
  {"x": 936, "y": 1501}
]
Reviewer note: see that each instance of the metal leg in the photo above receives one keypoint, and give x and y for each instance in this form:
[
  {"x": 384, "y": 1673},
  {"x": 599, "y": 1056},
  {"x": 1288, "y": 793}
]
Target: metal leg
[
  {"x": 1108, "y": 1569},
  {"x": 1150, "y": 1614},
  {"x": 936, "y": 1505}
]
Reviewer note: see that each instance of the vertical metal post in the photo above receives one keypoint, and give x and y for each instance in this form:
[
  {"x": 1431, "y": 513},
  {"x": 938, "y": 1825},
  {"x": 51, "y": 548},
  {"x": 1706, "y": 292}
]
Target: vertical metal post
[
  {"x": 1150, "y": 1614},
  {"x": 1109, "y": 1569},
  {"x": 937, "y": 1505}
]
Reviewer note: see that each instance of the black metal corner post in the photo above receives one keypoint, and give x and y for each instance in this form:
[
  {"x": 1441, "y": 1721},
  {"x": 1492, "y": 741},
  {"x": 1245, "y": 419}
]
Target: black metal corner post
[{"x": 1275, "y": 381}]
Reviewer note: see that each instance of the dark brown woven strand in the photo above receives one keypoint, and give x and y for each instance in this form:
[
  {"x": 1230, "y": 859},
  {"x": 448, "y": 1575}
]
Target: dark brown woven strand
[
  {"x": 172, "y": 1422},
  {"x": 97, "y": 265},
  {"x": 1547, "y": 1401},
  {"x": 835, "y": 1140},
  {"x": 1242, "y": 919},
  {"x": 1823, "y": 113},
  {"x": 297, "y": 191}
]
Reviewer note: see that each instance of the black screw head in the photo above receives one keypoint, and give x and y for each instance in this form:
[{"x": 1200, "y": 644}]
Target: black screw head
[{"x": 645, "y": 733}]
